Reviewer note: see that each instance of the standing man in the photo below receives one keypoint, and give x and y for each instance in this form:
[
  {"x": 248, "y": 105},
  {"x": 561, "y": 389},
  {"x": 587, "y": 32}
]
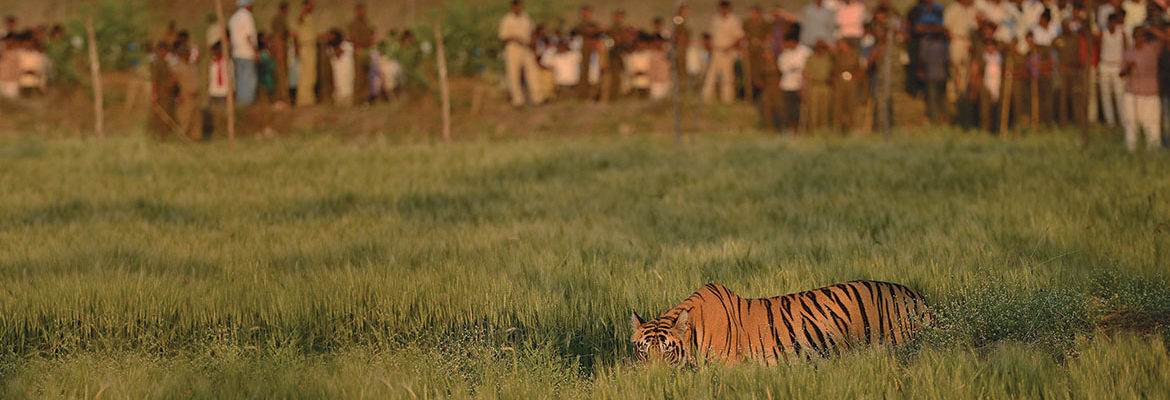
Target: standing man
[
  {"x": 756, "y": 31},
  {"x": 1112, "y": 44},
  {"x": 1143, "y": 110},
  {"x": 1135, "y": 16},
  {"x": 590, "y": 33},
  {"x": 279, "y": 49},
  {"x": 989, "y": 72},
  {"x": 925, "y": 23},
  {"x": 519, "y": 62},
  {"x": 681, "y": 38},
  {"x": 1072, "y": 49},
  {"x": 214, "y": 34},
  {"x": 726, "y": 34},
  {"x": 186, "y": 76},
  {"x": 245, "y": 52},
  {"x": 614, "y": 67},
  {"x": 306, "y": 40},
  {"x": 770, "y": 98},
  {"x": 850, "y": 18},
  {"x": 959, "y": 21},
  {"x": 818, "y": 70},
  {"x": 818, "y": 22},
  {"x": 217, "y": 90},
  {"x": 847, "y": 73},
  {"x": 162, "y": 84},
  {"x": 361, "y": 34},
  {"x": 792, "y": 64},
  {"x": 934, "y": 75},
  {"x": 781, "y": 22}
]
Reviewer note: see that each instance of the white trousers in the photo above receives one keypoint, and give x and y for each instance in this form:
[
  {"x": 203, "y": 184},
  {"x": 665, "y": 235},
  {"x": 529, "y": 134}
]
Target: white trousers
[
  {"x": 1145, "y": 113},
  {"x": 721, "y": 71},
  {"x": 1112, "y": 90},
  {"x": 519, "y": 61}
]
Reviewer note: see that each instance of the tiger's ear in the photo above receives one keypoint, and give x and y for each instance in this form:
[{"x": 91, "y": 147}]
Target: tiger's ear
[
  {"x": 682, "y": 324},
  {"x": 636, "y": 322}
]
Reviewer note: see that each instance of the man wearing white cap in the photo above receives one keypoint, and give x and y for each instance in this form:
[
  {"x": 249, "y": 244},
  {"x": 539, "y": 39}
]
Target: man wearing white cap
[{"x": 245, "y": 52}]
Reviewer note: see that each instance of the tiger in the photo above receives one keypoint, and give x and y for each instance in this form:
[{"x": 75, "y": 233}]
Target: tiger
[{"x": 716, "y": 324}]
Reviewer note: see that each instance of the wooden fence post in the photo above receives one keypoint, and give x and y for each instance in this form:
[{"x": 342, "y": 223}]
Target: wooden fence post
[
  {"x": 95, "y": 73},
  {"x": 444, "y": 86},
  {"x": 231, "y": 70}
]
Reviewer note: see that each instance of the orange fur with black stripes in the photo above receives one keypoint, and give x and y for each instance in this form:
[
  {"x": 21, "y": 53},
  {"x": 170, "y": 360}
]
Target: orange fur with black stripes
[{"x": 716, "y": 324}]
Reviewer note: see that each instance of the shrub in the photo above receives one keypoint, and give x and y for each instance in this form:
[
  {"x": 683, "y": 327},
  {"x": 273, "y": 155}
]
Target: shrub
[
  {"x": 983, "y": 315},
  {"x": 470, "y": 30},
  {"x": 119, "y": 26}
]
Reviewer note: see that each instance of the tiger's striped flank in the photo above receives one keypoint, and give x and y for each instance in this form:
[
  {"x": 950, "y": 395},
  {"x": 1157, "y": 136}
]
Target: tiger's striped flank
[{"x": 716, "y": 324}]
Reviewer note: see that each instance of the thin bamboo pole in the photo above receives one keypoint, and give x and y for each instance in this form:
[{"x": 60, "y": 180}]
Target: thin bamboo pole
[
  {"x": 444, "y": 85},
  {"x": 231, "y": 95},
  {"x": 95, "y": 73}
]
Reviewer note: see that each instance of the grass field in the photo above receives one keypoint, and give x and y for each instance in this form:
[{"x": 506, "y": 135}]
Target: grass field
[{"x": 325, "y": 268}]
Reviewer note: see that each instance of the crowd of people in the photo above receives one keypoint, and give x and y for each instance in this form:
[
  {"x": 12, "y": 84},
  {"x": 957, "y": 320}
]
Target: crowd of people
[
  {"x": 26, "y": 66},
  {"x": 293, "y": 63},
  {"x": 993, "y": 65},
  {"x": 988, "y": 64}
]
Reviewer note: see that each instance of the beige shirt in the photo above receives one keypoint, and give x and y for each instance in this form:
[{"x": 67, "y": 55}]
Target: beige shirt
[
  {"x": 960, "y": 20},
  {"x": 725, "y": 32},
  {"x": 517, "y": 28}
]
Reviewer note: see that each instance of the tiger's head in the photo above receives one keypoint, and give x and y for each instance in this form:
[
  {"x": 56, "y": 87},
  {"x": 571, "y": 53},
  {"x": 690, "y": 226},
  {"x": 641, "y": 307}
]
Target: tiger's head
[{"x": 661, "y": 340}]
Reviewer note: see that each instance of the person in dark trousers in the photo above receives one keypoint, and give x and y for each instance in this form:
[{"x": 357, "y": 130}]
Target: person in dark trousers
[
  {"x": 934, "y": 58},
  {"x": 1072, "y": 49}
]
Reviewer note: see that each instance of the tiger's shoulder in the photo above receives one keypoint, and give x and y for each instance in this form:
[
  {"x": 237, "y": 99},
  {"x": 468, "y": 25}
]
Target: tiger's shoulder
[{"x": 711, "y": 292}]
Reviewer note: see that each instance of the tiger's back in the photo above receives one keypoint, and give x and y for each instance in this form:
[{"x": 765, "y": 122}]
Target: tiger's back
[{"x": 820, "y": 321}]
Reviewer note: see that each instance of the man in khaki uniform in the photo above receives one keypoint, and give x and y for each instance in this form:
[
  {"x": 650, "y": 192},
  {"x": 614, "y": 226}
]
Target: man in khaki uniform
[
  {"x": 519, "y": 61},
  {"x": 307, "y": 52},
  {"x": 819, "y": 74},
  {"x": 361, "y": 34},
  {"x": 1073, "y": 53},
  {"x": 280, "y": 37},
  {"x": 756, "y": 31},
  {"x": 847, "y": 72},
  {"x": 162, "y": 83},
  {"x": 614, "y": 67},
  {"x": 726, "y": 34},
  {"x": 771, "y": 103},
  {"x": 187, "y": 113},
  {"x": 590, "y": 33}
]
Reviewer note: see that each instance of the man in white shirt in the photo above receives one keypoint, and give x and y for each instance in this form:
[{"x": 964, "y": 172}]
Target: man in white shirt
[
  {"x": 1113, "y": 43},
  {"x": 245, "y": 52},
  {"x": 1135, "y": 16},
  {"x": 1046, "y": 31},
  {"x": 217, "y": 90},
  {"x": 213, "y": 34},
  {"x": 726, "y": 34},
  {"x": 565, "y": 64},
  {"x": 1104, "y": 11},
  {"x": 997, "y": 12},
  {"x": 791, "y": 62},
  {"x": 519, "y": 60},
  {"x": 960, "y": 22},
  {"x": 1030, "y": 11}
]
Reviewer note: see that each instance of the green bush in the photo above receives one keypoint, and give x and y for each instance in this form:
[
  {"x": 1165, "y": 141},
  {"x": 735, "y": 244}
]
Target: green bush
[
  {"x": 470, "y": 30},
  {"x": 1133, "y": 302},
  {"x": 119, "y": 26},
  {"x": 990, "y": 313}
]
